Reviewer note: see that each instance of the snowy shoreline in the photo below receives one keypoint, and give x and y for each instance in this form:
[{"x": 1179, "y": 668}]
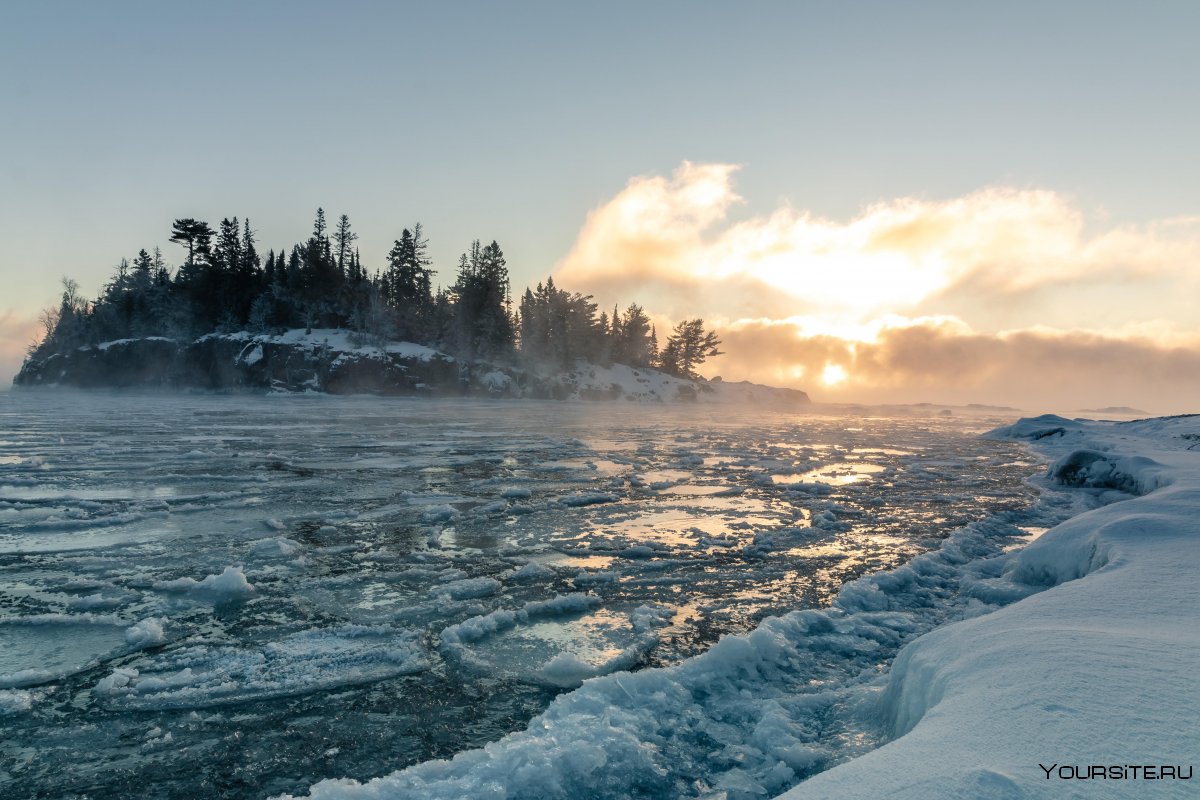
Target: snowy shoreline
[
  {"x": 600, "y": 529},
  {"x": 1086, "y": 689},
  {"x": 1028, "y": 666},
  {"x": 340, "y": 362}
]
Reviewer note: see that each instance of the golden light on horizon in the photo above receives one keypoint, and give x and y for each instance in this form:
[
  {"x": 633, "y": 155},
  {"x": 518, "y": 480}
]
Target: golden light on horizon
[
  {"x": 1014, "y": 295},
  {"x": 833, "y": 374}
]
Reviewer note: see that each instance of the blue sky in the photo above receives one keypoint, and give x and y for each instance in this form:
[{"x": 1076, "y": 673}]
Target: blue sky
[{"x": 514, "y": 120}]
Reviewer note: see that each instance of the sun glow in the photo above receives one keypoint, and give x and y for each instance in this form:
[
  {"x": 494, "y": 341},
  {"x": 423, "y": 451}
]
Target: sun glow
[
  {"x": 833, "y": 374},
  {"x": 911, "y": 298}
]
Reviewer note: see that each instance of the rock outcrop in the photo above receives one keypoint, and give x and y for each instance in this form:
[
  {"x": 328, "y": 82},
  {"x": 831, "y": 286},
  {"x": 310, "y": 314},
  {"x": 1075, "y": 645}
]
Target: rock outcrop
[{"x": 333, "y": 361}]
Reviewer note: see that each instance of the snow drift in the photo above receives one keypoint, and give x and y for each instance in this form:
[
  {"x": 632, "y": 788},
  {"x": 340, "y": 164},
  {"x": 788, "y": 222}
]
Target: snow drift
[{"x": 1097, "y": 671}]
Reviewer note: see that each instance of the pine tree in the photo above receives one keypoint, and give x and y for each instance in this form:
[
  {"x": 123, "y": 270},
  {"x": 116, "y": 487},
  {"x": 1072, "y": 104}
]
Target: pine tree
[
  {"x": 631, "y": 337},
  {"x": 343, "y": 239},
  {"x": 185, "y": 231},
  {"x": 482, "y": 304},
  {"x": 160, "y": 268},
  {"x": 143, "y": 270},
  {"x": 320, "y": 279},
  {"x": 250, "y": 258},
  {"x": 196, "y": 281},
  {"x": 688, "y": 348}
]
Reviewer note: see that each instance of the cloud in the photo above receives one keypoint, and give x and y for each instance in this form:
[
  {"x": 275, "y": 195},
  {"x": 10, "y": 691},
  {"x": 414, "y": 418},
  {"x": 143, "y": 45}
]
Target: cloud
[
  {"x": 944, "y": 360},
  {"x": 995, "y": 292},
  {"x": 16, "y": 333}
]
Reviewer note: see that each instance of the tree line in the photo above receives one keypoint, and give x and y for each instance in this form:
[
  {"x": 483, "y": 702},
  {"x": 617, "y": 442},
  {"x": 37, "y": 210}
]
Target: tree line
[{"x": 224, "y": 284}]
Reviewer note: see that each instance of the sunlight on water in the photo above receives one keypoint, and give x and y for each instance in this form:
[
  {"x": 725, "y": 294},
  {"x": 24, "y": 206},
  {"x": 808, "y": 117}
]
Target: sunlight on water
[
  {"x": 307, "y": 557},
  {"x": 838, "y": 474}
]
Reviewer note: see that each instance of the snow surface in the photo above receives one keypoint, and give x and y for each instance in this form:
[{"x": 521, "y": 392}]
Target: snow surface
[
  {"x": 335, "y": 340},
  {"x": 1099, "y": 669},
  {"x": 120, "y": 342},
  {"x": 641, "y": 384}
]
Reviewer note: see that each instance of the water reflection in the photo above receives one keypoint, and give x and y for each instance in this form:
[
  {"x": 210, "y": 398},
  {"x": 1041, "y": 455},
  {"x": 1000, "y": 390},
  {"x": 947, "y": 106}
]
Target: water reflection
[
  {"x": 420, "y": 516},
  {"x": 841, "y": 473}
]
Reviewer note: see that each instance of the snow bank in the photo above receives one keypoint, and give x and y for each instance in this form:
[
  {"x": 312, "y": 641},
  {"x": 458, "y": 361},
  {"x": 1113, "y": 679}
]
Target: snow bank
[
  {"x": 587, "y": 381},
  {"x": 1090, "y": 677}
]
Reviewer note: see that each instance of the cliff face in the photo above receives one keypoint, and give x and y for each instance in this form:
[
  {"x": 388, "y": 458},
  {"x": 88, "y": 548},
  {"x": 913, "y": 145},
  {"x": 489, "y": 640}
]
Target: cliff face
[
  {"x": 241, "y": 361},
  {"x": 332, "y": 361}
]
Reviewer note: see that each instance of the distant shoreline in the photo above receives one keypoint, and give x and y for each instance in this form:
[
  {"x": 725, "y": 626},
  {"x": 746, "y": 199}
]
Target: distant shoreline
[{"x": 337, "y": 362}]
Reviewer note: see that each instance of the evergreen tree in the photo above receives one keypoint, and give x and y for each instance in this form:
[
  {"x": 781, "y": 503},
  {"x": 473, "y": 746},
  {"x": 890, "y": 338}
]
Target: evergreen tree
[
  {"x": 250, "y": 259},
  {"x": 143, "y": 271},
  {"x": 407, "y": 283},
  {"x": 70, "y": 321},
  {"x": 161, "y": 276},
  {"x": 196, "y": 280},
  {"x": 688, "y": 347},
  {"x": 319, "y": 278},
  {"x": 188, "y": 232},
  {"x": 558, "y": 327},
  {"x": 631, "y": 337},
  {"x": 343, "y": 239},
  {"x": 484, "y": 326},
  {"x": 222, "y": 284}
]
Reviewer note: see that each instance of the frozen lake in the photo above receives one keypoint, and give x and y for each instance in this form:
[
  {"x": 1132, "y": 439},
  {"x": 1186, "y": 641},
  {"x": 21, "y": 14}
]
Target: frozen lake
[{"x": 242, "y": 596}]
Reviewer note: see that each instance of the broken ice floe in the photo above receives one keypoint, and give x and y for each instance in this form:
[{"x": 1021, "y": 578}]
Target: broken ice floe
[{"x": 312, "y": 660}]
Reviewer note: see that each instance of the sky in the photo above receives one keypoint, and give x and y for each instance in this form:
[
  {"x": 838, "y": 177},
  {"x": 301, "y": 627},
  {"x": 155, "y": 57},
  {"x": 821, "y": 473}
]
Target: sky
[{"x": 874, "y": 202}]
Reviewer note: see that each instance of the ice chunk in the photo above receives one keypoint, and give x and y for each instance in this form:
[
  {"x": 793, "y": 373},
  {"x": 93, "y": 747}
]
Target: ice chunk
[
  {"x": 230, "y": 585},
  {"x": 603, "y": 576},
  {"x": 300, "y": 663},
  {"x": 46, "y": 647},
  {"x": 533, "y": 571},
  {"x": 15, "y": 701},
  {"x": 146, "y": 633},
  {"x": 101, "y": 601},
  {"x": 439, "y": 513},
  {"x": 567, "y": 670},
  {"x": 579, "y": 499},
  {"x": 276, "y": 546},
  {"x": 467, "y": 589}
]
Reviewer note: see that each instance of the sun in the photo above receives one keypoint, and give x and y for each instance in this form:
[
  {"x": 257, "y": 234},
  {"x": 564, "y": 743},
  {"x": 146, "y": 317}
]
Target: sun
[{"x": 833, "y": 374}]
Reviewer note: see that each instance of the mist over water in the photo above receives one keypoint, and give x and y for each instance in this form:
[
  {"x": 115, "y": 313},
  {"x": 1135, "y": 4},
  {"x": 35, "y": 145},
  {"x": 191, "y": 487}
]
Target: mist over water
[{"x": 245, "y": 595}]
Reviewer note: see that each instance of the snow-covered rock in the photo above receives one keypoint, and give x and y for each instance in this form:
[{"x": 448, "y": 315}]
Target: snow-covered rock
[{"x": 343, "y": 362}]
